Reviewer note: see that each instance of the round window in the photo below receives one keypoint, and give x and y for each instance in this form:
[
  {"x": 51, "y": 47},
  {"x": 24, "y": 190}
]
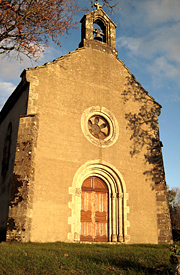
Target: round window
[{"x": 99, "y": 126}]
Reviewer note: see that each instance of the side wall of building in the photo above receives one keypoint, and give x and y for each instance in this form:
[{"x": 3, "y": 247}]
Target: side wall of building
[
  {"x": 8, "y": 138},
  {"x": 21, "y": 201}
]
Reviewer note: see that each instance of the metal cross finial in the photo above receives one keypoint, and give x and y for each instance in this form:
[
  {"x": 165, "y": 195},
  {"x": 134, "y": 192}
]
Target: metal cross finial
[{"x": 98, "y": 6}]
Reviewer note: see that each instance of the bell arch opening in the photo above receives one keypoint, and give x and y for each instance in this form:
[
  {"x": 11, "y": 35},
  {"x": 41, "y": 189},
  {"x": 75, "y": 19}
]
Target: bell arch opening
[
  {"x": 117, "y": 206},
  {"x": 99, "y": 30}
]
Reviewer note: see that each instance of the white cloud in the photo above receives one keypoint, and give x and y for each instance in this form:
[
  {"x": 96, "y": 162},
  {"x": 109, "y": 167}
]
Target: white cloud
[
  {"x": 161, "y": 66},
  {"x": 6, "y": 88},
  {"x": 130, "y": 43},
  {"x": 10, "y": 69},
  {"x": 160, "y": 41},
  {"x": 161, "y": 11},
  {"x": 163, "y": 74},
  {"x": 155, "y": 39},
  {"x": 140, "y": 13}
]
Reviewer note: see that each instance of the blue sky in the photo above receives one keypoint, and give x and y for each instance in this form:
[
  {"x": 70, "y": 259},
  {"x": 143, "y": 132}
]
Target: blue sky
[{"x": 148, "y": 42}]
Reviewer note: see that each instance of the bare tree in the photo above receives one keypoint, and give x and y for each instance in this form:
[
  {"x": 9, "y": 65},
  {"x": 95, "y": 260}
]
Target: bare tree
[{"x": 27, "y": 25}]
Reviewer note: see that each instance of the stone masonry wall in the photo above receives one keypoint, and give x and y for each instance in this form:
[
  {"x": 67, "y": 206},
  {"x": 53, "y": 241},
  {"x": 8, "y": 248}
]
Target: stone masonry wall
[
  {"x": 163, "y": 215},
  {"x": 20, "y": 209},
  {"x": 141, "y": 137},
  {"x": 162, "y": 207}
]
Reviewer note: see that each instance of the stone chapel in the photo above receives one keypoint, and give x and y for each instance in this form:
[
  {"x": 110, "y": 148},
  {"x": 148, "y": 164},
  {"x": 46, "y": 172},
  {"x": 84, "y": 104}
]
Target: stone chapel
[{"x": 80, "y": 152}]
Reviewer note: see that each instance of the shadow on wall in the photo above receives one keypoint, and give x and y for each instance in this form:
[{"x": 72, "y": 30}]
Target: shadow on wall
[
  {"x": 18, "y": 190},
  {"x": 145, "y": 129},
  {"x": 18, "y": 200},
  {"x": 2, "y": 235},
  {"x": 176, "y": 235}
]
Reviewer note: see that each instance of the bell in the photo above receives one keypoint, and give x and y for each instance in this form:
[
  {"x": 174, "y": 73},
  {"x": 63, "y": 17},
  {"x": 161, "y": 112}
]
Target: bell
[{"x": 98, "y": 35}]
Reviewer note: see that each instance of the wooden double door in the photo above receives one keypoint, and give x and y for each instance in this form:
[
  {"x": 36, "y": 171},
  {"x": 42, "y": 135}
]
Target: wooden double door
[{"x": 94, "y": 210}]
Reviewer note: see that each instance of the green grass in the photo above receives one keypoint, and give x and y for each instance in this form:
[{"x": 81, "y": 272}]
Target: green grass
[{"x": 66, "y": 258}]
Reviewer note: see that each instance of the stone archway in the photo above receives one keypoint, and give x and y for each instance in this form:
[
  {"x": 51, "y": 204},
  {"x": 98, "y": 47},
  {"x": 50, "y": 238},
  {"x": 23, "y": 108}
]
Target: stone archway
[{"x": 117, "y": 200}]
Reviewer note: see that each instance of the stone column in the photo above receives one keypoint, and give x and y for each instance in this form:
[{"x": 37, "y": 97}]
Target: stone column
[
  {"x": 114, "y": 235},
  {"x": 110, "y": 219},
  {"x": 120, "y": 219}
]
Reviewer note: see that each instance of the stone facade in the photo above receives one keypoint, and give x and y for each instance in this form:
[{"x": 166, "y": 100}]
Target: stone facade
[
  {"x": 83, "y": 115},
  {"x": 21, "y": 200}
]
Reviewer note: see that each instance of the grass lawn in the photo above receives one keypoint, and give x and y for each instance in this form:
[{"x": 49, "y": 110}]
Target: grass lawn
[{"x": 66, "y": 258}]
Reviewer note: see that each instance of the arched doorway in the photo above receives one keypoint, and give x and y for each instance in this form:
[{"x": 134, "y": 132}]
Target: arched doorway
[
  {"x": 94, "y": 210},
  {"x": 117, "y": 200}
]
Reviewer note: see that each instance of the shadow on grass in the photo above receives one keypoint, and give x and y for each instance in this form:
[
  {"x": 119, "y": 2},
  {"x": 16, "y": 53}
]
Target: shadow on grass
[
  {"x": 132, "y": 267},
  {"x": 127, "y": 264},
  {"x": 137, "y": 267}
]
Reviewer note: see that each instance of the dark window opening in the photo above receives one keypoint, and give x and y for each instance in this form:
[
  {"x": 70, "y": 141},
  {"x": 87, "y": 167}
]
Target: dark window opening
[{"x": 6, "y": 151}]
